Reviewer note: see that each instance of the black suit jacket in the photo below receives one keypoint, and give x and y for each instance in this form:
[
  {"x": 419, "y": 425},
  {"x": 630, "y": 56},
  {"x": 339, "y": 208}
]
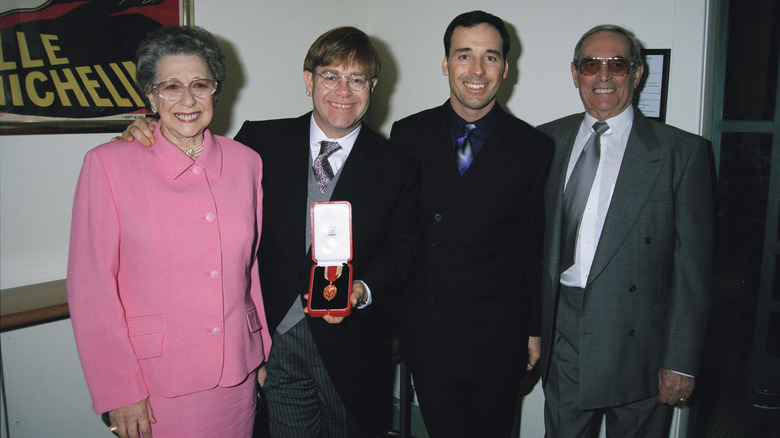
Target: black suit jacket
[
  {"x": 475, "y": 301},
  {"x": 382, "y": 184}
]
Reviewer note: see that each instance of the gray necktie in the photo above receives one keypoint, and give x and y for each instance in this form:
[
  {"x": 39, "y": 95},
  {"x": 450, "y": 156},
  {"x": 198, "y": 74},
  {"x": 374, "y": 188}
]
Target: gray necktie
[
  {"x": 577, "y": 191},
  {"x": 465, "y": 151},
  {"x": 321, "y": 167}
]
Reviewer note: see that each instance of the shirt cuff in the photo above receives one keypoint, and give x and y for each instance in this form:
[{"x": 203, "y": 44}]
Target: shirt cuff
[
  {"x": 368, "y": 294},
  {"x": 683, "y": 374}
]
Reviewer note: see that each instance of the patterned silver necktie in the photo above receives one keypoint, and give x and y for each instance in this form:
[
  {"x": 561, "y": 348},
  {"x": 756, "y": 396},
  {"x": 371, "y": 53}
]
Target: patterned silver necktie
[{"x": 321, "y": 167}]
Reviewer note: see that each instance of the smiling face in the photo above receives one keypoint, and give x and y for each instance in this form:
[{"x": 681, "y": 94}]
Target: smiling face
[
  {"x": 475, "y": 67},
  {"x": 339, "y": 111},
  {"x": 603, "y": 94},
  {"x": 183, "y": 121}
]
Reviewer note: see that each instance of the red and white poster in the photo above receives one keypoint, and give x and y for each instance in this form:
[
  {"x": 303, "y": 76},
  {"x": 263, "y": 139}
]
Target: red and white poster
[{"x": 68, "y": 65}]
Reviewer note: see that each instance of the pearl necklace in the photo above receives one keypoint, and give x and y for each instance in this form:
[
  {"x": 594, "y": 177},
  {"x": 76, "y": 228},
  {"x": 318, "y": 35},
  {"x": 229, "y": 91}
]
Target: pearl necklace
[{"x": 193, "y": 153}]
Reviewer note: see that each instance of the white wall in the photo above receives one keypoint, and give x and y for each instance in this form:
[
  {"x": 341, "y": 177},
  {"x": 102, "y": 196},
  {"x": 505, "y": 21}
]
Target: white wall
[
  {"x": 45, "y": 390},
  {"x": 266, "y": 42},
  {"x": 547, "y": 32}
]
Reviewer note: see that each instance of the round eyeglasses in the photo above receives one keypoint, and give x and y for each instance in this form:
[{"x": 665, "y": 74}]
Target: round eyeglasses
[
  {"x": 173, "y": 89},
  {"x": 332, "y": 80},
  {"x": 616, "y": 66}
]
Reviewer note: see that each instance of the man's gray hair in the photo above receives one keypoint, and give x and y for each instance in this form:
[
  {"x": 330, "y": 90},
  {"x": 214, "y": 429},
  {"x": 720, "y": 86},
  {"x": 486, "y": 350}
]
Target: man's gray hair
[{"x": 635, "y": 45}]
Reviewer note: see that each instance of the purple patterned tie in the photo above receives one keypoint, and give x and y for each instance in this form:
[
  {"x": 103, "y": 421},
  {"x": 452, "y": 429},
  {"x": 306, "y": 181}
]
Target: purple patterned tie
[
  {"x": 465, "y": 152},
  {"x": 321, "y": 167}
]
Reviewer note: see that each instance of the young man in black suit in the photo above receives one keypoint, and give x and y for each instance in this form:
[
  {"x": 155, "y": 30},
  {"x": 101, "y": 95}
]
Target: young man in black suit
[{"x": 470, "y": 319}]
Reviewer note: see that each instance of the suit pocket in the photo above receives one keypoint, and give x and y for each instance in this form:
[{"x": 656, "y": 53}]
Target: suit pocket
[
  {"x": 253, "y": 320},
  {"x": 146, "y": 335}
]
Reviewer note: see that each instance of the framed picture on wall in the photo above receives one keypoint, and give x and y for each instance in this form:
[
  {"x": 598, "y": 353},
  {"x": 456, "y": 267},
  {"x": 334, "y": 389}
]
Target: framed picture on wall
[
  {"x": 652, "y": 96},
  {"x": 68, "y": 66}
]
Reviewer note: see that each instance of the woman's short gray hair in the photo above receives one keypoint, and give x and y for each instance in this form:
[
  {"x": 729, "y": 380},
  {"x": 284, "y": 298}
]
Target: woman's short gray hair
[{"x": 177, "y": 40}]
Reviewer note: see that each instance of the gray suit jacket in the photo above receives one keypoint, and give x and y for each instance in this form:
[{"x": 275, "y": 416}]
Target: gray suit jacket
[{"x": 648, "y": 290}]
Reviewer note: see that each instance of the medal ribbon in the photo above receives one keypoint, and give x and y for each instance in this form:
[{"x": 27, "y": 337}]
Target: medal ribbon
[{"x": 332, "y": 273}]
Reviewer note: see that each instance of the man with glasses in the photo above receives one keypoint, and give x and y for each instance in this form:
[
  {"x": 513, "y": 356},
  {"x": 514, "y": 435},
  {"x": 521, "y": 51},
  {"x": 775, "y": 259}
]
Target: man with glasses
[
  {"x": 327, "y": 376},
  {"x": 469, "y": 321},
  {"x": 628, "y": 254}
]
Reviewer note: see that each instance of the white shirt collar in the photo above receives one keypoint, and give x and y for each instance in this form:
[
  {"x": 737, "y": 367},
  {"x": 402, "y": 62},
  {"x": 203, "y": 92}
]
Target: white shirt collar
[
  {"x": 619, "y": 125},
  {"x": 316, "y": 136}
]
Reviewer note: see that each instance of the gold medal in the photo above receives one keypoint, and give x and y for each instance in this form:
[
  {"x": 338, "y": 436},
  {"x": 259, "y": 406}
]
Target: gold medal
[
  {"x": 332, "y": 273},
  {"x": 329, "y": 292}
]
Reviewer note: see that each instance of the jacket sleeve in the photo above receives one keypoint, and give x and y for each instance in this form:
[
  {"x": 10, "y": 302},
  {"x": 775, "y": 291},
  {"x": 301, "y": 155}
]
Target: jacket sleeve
[
  {"x": 399, "y": 256},
  {"x": 533, "y": 235},
  {"x": 691, "y": 280},
  {"x": 111, "y": 369},
  {"x": 254, "y": 279}
]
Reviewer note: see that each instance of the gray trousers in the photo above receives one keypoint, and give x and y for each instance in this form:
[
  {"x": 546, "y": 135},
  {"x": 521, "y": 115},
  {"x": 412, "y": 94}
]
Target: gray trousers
[{"x": 562, "y": 416}]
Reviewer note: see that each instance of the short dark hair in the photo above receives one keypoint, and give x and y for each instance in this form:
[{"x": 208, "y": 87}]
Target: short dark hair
[
  {"x": 474, "y": 18},
  {"x": 177, "y": 40},
  {"x": 635, "y": 49},
  {"x": 343, "y": 45}
]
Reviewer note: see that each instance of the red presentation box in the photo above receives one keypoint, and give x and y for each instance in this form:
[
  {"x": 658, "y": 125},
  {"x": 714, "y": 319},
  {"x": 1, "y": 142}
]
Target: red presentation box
[{"x": 330, "y": 285}]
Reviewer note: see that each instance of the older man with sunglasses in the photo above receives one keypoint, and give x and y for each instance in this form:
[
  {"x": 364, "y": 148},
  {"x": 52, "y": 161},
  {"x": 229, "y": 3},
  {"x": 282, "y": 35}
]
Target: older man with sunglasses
[{"x": 628, "y": 254}]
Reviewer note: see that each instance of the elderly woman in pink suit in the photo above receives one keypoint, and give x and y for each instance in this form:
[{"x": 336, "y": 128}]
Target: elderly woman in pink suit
[{"x": 162, "y": 279}]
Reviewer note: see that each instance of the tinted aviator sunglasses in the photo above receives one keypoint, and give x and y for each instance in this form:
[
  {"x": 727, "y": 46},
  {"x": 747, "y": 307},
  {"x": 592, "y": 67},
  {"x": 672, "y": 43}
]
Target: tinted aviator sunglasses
[{"x": 616, "y": 66}]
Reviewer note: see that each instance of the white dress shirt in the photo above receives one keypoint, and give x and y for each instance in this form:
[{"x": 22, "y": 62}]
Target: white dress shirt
[{"x": 613, "y": 146}]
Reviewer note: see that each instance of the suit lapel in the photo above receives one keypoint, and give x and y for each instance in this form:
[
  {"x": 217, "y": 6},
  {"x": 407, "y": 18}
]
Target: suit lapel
[
  {"x": 556, "y": 180},
  {"x": 442, "y": 163},
  {"x": 438, "y": 157},
  {"x": 492, "y": 158},
  {"x": 293, "y": 178},
  {"x": 639, "y": 171},
  {"x": 360, "y": 170}
]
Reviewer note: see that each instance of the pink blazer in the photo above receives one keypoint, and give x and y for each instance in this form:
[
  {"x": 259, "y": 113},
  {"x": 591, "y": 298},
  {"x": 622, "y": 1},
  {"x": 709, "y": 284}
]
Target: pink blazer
[{"x": 162, "y": 281}]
